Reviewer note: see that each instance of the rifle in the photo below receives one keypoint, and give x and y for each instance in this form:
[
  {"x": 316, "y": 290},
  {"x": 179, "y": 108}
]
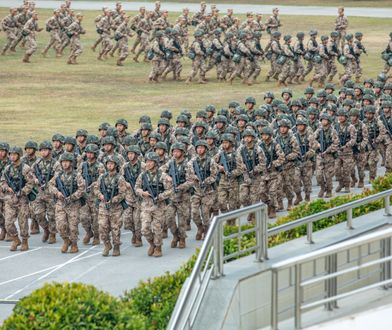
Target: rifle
[
  {"x": 174, "y": 175},
  {"x": 201, "y": 178},
  {"x": 63, "y": 190},
  {"x": 322, "y": 143},
  {"x": 106, "y": 195},
  {"x": 248, "y": 163},
  {"x": 40, "y": 177},
  {"x": 130, "y": 179},
  {"x": 147, "y": 185},
  {"x": 17, "y": 190},
  {"x": 223, "y": 162},
  {"x": 302, "y": 148},
  {"x": 386, "y": 124},
  {"x": 86, "y": 176}
]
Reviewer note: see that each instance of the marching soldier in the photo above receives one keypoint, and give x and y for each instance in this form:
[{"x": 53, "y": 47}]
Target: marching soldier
[
  {"x": 10, "y": 25},
  {"x": 74, "y": 31},
  {"x": 122, "y": 33},
  {"x": 53, "y": 26},
  {"x": 4, "y": 161},
  {"x": 29, "y": 32}
]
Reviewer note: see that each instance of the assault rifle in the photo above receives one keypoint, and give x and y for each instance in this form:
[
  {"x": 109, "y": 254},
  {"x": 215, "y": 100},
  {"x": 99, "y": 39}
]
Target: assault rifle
[
  {"x": 63, "y": 190},
  {"x": 248, "y": 163},
  {"x": 174, "y": 175},
  {"x": 201, "y": 178},
  {"x": 147, "y": 185},
  {"x": 86, "y": 176},
  {"x": 107, "y": 197},
  {"x": 223, "y": 162}
]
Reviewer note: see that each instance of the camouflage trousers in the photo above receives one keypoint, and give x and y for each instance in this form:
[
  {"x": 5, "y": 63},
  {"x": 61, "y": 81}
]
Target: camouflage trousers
[
  {"x": 11, "y": 37},
  {"x": 175, "y": 66},
  {"x": 287, "y": 182},
  {"x": 17, "y": 209},
  {"x": 89, "y": 217},
  {"x": 227, "y": 67},
  {"x": 240, "y": 68},
  {"x": 332, "y": 68},
  {"x": 177, "y": 213},
  {"x": 131, "y": 219},
  {"x": 54, "y": 41},
  {"x": 388, "y": 158},
  {"x": 275, "y": 69},
  {"x": 320, "y": 71},
  {"x": 254, "y": 69},
  {"x": 299, "y": 68},
  {"x": 303, "y": 177},
  {"x": 358, "y": 70},
  {"x": 110, "y": 222},
  {"x": 158, "y": 65},
  {"x": 44, "y": 211},
  {"x": 359, "y": 166},
  {"x": 137, "y": 42},
  {"x": 343, "y": 168},
  {"x": 76, "y": 47},
  {"x": 2, "y": 221},
  {"x": 153, "y": 218},
  {"x": 269, "y": 189},
  {"x": 228, "y": 196},
  {"x": 185, "y": 43},
  {"x": 349, "y": 69},
  {"x": 309, "y": 67},
  {"x": 372, "y": 161},
  {"x": 287, "y": 71},
  {"x": 31, "y": 44},
  {"x": 67, "y": 220},
  {"x": 341, "y": 38},
  {"x": 198, "y": 66},
  {"x": 123, "y": 47},
  {"x": 202, "y": 208},
  {"x": 325, "y": 171},
  {"x": 107, "y": 43},
  {"x": 250, "y": 191}
]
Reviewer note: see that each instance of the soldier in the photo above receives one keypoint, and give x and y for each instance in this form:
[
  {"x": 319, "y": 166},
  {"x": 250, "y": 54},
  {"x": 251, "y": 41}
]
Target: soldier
[
  {"x": 131, "y": 216},
  {"x": 176, "y": 170},
  {"x": 198, "y": 59},
  {"x": 275, "y": 52},
  {"x": 174, "y": 65},
  {"x": 57, "y": 143},
  {"x": 158, "y": 61},
  {"x": 143, "y": 29},
  {"x": 272, "y": 25},
  {"x": 199, "y": 16},
  {"x": 287, "y": 71},
  {"x": 359, "y": 49},
  {"x": 334, "y": 53},
  {"x": 96, "y": 21},
  {"x": 347, "y": 136},
  {"x": 341, "y": 25},
  {"x": 109, "y": 149},
  {"x": 66, "y": 23},
  {"x": 299, "y": 51},
  {"x": 117, "y": 20},
  {"x": 90, "y": 170},
  {"x": 4, "y": 161},
  {"x": 104, "y": 27},
  {"x": 53, "y": 26},
  {"x": 10, "y": 25},
  {"x": 110, "y": 190},
  {"x": 388, "y": 55},
  {"x": 311, "y": 50},
  {"x": 154, "y": 187},
  {"x": 68, "y": 187},
  {"x": 17, "y": 182},
  {"x": 321, "y": 62},
  {"x": 21, "y": 19},
  {"x": 242, "y": 66},
  {"x": 43, "y": 207},
  {"x": 74, "y": 31},
  {"x": 327, "y": 143},
  {"x": 350, "y": 66},
  {"x": 359, "y": 149},
  {"x": 29, "y": 32},
  {"x": 156, "y": 14},
  {"x": 227, "y": 21}
]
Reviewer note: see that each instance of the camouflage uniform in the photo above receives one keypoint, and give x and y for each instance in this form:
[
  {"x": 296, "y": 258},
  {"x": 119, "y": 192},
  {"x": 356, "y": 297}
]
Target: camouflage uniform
[
  {"x": 388, "y": 50},
  {"x": 341, "y": 24},
  {"x": 276, "y": 52},
  {"x": 359, "y": 151},
  {"x": 122, "y": 33},
  {"x": 53, "y": 26},
  {"x": 288, "y": 69},
  {"x": 143, "y": 30},
  {"x": 299, "y": 51},
  {"x": 198, "y": 63},
  {"x": 10, "y": 25},
  {"x": 105, "y": 26},
  {"x": 350, "y": 66},
  {"x": 158, "y": 61},
  {"x": 74, "y": 31},
  {"x": 30, "y": 29},
  {"x": 333, "y": 52},
  {"x": 312, "y": 49},
  {"x": 3, "y": 163}
]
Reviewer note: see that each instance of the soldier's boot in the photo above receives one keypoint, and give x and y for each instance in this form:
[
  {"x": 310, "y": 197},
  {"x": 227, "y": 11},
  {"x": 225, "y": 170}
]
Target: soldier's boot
[
  {"x": 74, "y": 247},
  {"x": 280, "y": 205},
  {"x": 3, "y": 52},
  {"x": 289, "y": 205},
  {"x": 174, "y": 241},
  {"x": 199, "y": 233},
  {"x": 44, "y": 52},
  {"x": 69, "y": 60},
  {"x": 26, "y": 58},
  {"x": 267, "y": 78},
  {"x": 202, "y": 80},
  {"x": 65, "y": 247},
  {"x": 52, "y": 238},
  {"x": 45, "y": 236},
  {"x": 205, "y": 231},
  {"x": 138, "y": 242},
  {"x": 360, "y": 183},
  {"x": 15, "y": 243},
  {"x": 8, "y": 238},
  {"x": 307, "y": 197},
  {"x": 271, "y": 212},
  {"x": 188, "y": 226},
  {"x": 3, "y": 232},
  {"x": 96, "y": 240},
  {"x": 282, "y": 84},
  {"x": 34, "y": 227},
  {"x": 181, "y": 244},
  {"x": 133, "y": 239},
  {"x": 347, "y": 189},
  {"x": 120, "y": 62},
  {"x": 25, "y": 244},
  {"x": 321, "y": 192},
  {"x": 188, "y": 81},
  {"x": 87, "y": 237},
  {"x": 157, "y": 252},
  {"x": 99, "y": 58},
  {"x": 106, "y": 249},
  {"x": 116, "y": 250},
  {"x": 328, "y": 194},
  {"x": 151, "y": 249},
  {"x": 298, "y": 198},
  {"x": 339, "y": 187}
]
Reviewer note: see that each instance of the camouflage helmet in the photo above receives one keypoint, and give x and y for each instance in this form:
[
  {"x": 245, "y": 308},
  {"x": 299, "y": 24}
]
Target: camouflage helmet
[
  {"x": 312, "y": 110},
  {"x": 358, "y": 35},
  {"x": 123, "y": 122},
  {"x": 146, "y": 126},
  {"x": 111, "y": 131},
  {"x": 249, "y": 132},
  {"x": 67, "y": 156},
  {"x": 295, "y": 103},
  {"x": 300, "y": 35},
  {"x": 92, "y": 139},
  {"x": 287, "y": 37},
  {"x": 201, "y": 114},
  {"x": 334, "y": 34},
  {"x": 261, "y": 112},
  {"x": 288, "y": 91},
  {"x": 386, "y": 104},
  {"x": 70, "y": 140},
  {"x": 181, "y": 131},
  {"x": 144, "y": 119},
  {"x": 309, "y": 90},
  {"x": 349, "y": 36},
  {"x": 218, "y": 31},
  {"x": 93, "y": 148},
  {"x": 186, "y": 113},
  {"x": 342, "y": 112},
  {"x": 302, "y": 113},
  {"x": 250, "y": 99},
  {"x": 31, "y": 145},
  {"x": 321, "y": 93},
  {"x": 261, "y": 122},
  {"x": 228, "y": 137},
  {"x": 350, "y": 91},
  {"x": 152, "y": 156},
  {"x": 301, "y": 121},
  {"x": 276, "y": 34},
  {"x": 267, "y": 131},
  {"x": 387, "y": 86},
  {"x": 103, "y": 127},
  {"x": 202, "y": 143},
  {"x": 284, "y": 123},
  {"x": 221, "y": 119},
  {"x": 183, "y": 139},
  {"x": 45, "y": 145},
  {"x": 354, "y": 113},
  {"x": 283, "y": 108},
  {"x": 159, "y": 34},
  {"x": 16, "y": 150},
  {"x": 326, "y": 116},
  {"x": 178, "y": 146},
  {"x": 166, "y": 114},
  {"x": 313, "y": 33},
  {"x": 135, "y": 149},
  {"x": 183, "y": 119},
  {"x": 243, "y": 117},
  {"x": 269, "y": 95},
  {"x": 329, "y": 86},
  {"x": 324, "y": 38},
  {"x": 276, "y": 102},
  {"x": 349, "y": 103},
  {"x": 163, "y": 121},
  {"x": 4, "y": 146},
  {"x": 113, "y": 159},
  {"x": 257, "y": 34},
  {"x": 358, "y": 87},
  {"x": 81, "y": 132},
  {"x": 129, "y": 140},
  {"x": 211, "y": 135},
  {"x": 313, "y": 100},
  {"x": 58, "y": 137},
  {"x": 198, "y": 33},
  {"x": 382, "y": 77},
  {"x": 332, "y": 107},
  {"x": 332, "y": 98},
  {"x": 378, "y": 84},
  {"x": 201, "y": 124},
  {"x": 160, "y": 145},
  {"x": 370, "y": 109},
  {"x": 210, "y": 108},
  {"x": 156, "y": 136},
  {"x": 109, "y": 140},
  {"x": 369, "y": 81}
]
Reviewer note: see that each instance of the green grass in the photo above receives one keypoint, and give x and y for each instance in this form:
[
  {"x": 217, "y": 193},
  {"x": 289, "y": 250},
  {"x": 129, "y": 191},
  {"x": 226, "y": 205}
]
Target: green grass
[{"x": 50, "y": 96}]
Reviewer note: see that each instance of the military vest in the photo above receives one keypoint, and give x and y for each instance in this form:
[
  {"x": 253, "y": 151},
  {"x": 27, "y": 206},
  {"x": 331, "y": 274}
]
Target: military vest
[
  {"x": 111, "y": 184},
  {"x": 343, "y": 134},
  {"x": 44, "y": 170},
  {"x": 285, "y": 143},
  {"x": 69, "y": 181},
  {"x": 204, "y": 166},
  {"x": 250, "y": 157},
  {"x": 154, "y": 182}
]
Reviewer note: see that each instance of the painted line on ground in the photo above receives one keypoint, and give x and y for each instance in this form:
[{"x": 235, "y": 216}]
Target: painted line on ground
[{"x": 20, "y": 254}]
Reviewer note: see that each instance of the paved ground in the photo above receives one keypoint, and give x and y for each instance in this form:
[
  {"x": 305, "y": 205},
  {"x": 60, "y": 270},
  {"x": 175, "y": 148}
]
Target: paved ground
[
  {"x": 27, "y": 271},
  {"x": 241, "y": 9}
]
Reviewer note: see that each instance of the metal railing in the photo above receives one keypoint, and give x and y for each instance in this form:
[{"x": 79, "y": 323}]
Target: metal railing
[
  {"x": 330, "y": 278},
  {"x": 210, "y": 261}
]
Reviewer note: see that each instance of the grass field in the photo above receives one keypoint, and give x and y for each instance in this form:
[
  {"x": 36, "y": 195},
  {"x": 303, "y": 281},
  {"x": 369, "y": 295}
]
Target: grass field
[{"x": 50, "y": 96}]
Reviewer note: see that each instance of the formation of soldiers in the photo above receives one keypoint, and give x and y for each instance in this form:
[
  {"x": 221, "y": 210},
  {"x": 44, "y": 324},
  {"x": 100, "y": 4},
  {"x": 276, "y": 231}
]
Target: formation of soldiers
[
  {"x": 161, "y": 178},
  {"x": 232, "y": 47}
]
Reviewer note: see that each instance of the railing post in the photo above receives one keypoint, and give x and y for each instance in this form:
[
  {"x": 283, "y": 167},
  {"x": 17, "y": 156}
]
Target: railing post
[
  {"x": 216, "y": 247},
  {"x": 309, "y": 232},
  {"x": 261, "y": 236},
  {"x": 274, "y": 300},
  {"x": 221, "y": 248},
  {"x": 297, "y": 296},
  {"x": 387, "y": 206},
  {"x": 350, "y": 219},
  {"x": 386, "y": 266}
]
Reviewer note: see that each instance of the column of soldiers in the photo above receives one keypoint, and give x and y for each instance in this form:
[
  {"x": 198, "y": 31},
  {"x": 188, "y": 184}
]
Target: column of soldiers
[
  {"x": 232, "y": 47},
  {"x": 160, "y": 179}
]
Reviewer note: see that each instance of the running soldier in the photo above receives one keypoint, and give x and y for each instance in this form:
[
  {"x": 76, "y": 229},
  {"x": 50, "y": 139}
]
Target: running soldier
[
  {"x": 74, "y": 31},
  {"x": 29, "y": 32},
  {"x": 54, "y": 26}
]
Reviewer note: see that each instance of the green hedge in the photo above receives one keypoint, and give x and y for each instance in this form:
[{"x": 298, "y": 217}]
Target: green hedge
[{"x": 151, "y": 303}]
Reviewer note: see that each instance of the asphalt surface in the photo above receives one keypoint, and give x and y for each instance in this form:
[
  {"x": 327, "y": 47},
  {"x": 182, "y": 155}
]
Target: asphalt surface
[{"x": 238, "y": 8}]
